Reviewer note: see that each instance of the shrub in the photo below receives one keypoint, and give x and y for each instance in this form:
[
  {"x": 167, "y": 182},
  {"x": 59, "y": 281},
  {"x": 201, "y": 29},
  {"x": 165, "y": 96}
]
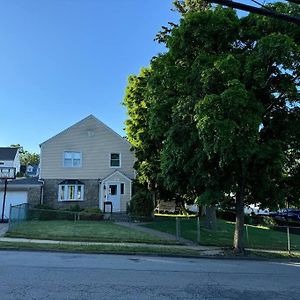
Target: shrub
[
  {"x": 43, "y": 206},
  {"x": 75, "y": 208},
  {"x": 92, "y": 210},
  {"x": 141, "y": 204},
  {"x": 91, "y": 214}
]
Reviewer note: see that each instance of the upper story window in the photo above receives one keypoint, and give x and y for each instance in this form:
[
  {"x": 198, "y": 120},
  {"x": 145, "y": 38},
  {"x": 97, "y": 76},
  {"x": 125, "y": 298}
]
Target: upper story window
[
  {"x": 115, "y": 160},
  {"x": 72, "y": 159}
]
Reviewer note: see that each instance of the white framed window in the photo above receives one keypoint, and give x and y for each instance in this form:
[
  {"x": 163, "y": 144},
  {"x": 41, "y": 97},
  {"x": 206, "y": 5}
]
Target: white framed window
[
  {"x": 71, "y": 190},
  {"x": 115, "y": 160},
  {"x": 72, "y": 159}
]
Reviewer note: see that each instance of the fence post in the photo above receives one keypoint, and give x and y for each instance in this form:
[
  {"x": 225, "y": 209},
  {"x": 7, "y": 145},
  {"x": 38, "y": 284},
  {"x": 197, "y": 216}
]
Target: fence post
[
  {"x": 288, "y": 239},
  {"x": 198, "y": 230},
  {"x": 247, "y": 235},
  {"x": 177, "y": 228},
  {"x": 9, "y": 220}
]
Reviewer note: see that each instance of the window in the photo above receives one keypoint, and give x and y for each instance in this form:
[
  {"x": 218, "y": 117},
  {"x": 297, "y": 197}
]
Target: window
[
  {"x": 115, "y": 160},
  {"x": 113, "y": 189},
  {"x": 71, "y": 190},
  {"x": 72, "y": 159},
  {"x": 122, "y": 188}
]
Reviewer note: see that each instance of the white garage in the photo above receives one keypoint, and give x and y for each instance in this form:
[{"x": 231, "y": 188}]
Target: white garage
[
  {"x": 19, "y": 191},
  {"x": 12, "y": 198}
]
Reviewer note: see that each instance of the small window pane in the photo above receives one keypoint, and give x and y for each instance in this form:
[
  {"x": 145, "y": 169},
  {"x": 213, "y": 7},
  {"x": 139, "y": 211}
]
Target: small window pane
[
  {"x": 79, "y": 194},
  {"x": 115, "y": 155},
  {"x": 76, "y": 155},
  {"x": 114, "y": 163},
  {"x": 68, "y": 162},
  {"x": 76, "y": 162},
  {"x": 122, "y": 188},
  {"x": 113, "y": 189},
  {"x": 68, "y": 155},
  {"x": 62, "y": 192},
  {"x": 71, "y": 192}
]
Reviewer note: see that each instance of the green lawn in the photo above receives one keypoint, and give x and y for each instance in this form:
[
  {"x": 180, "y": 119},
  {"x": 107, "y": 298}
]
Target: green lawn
[
  {"x": 258, "y": 236},
  {"x": 82, "y": 231}
]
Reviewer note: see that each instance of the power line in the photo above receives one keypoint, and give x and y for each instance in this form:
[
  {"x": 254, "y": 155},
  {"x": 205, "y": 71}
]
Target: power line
[{"x": 256, "y": 10}]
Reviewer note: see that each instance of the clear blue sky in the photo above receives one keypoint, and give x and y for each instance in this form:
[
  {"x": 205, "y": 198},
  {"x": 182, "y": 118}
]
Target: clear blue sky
[{"x": 61, "y": 60}]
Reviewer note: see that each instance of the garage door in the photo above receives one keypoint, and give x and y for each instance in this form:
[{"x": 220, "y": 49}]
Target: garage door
[{"x": 12, "y": 198}]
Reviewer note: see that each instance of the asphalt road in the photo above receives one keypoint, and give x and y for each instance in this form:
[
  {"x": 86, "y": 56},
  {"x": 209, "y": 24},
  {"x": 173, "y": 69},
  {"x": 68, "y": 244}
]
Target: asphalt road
[{"x": 43, "y": 275}]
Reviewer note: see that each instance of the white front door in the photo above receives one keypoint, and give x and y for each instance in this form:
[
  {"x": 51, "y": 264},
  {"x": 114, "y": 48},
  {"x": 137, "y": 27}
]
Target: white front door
[{"x": 113, "y": 195}]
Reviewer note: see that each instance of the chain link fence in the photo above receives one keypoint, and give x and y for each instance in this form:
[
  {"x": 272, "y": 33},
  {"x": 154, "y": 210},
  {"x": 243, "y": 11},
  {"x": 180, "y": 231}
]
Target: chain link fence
[
  {"x": 23, "y": 213},
  {"x": 268, "y": 237}
]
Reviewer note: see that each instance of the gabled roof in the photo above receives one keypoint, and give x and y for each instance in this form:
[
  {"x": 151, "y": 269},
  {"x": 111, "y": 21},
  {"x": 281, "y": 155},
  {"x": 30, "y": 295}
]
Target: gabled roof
[
  {"x": 116, "y": 172},
  {"x": 84, "y": 120},
  {"x": 8, "y": 153}
]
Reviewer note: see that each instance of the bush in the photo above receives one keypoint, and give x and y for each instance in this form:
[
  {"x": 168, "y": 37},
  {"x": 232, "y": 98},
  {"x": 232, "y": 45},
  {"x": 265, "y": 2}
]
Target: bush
[
  {"x": 91, "y": 214},
  {"x": 141, "y": 204},
  {"x": 43, "y": 206},
  {"x": 75, "y": 208}
]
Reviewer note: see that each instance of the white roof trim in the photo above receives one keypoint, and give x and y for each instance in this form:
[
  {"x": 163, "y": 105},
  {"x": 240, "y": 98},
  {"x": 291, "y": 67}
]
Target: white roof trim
[
  {"x": 83, "y": 120},
  {"x": 113, "y": 173}
]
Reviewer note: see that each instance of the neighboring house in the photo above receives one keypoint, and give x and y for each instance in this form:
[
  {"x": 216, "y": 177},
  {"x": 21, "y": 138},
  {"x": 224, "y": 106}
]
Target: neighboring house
[
  {"x": 87, "y": 164},
  {"x": 10, "y": 157},
  {"x": 32, "y": 170}
]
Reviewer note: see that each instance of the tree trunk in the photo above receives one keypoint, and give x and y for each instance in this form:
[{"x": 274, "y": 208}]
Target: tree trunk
[
  {"x": 238, "y": 241},
  {"x": 211, "y": 218}
]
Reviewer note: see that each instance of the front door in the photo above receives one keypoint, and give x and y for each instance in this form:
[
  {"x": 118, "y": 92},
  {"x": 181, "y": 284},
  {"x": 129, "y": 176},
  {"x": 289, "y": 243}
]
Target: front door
[{"x": 113, "y": 195}]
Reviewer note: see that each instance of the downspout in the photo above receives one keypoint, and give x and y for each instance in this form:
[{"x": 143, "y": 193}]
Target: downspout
[{"x": 42, "y": 191}]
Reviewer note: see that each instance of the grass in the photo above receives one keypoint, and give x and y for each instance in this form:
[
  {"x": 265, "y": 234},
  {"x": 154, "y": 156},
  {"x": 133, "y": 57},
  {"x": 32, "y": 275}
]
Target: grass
[
  {"x": 120, "y": 249},
  {"x": 89, "y": 231},
  {"x": 259, "y": 237}
]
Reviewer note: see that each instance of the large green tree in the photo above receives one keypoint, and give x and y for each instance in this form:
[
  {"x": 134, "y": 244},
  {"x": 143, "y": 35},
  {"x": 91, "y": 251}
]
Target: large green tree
[{"x": 222, "y": 106}]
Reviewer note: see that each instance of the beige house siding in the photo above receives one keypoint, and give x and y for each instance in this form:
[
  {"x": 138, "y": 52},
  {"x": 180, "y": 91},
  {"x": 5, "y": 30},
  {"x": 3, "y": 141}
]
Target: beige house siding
[{"x": 95, "y": 141}]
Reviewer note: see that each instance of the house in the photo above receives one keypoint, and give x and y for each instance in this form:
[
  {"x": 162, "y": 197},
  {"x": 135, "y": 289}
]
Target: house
[
  {"x": 10, "y": 157},
  {"x": 87, "y": 164},
  {"x": 32, "y": 170},
  {"x": 20, "y": 190}
]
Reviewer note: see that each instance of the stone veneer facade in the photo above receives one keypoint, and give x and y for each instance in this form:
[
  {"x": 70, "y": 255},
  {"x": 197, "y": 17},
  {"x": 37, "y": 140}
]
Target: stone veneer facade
[
  {"x": 91, "y": 194},
  {"x": 34, "y": 196}
]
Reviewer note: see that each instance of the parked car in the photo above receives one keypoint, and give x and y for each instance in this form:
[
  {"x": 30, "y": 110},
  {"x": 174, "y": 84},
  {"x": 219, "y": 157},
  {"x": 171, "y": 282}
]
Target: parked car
[
  {"x": 255, "y": 210},
  {"x": 287, "y": 214}
]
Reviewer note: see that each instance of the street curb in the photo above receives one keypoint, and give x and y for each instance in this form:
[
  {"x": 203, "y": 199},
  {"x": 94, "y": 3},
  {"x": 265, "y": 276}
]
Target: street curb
[{"x": 154, "y": 255}]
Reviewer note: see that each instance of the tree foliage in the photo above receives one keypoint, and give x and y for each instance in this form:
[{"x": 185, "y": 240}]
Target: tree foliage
[
  {"x": 26, "y": 157},
  {"x": 214, "y": 117}
]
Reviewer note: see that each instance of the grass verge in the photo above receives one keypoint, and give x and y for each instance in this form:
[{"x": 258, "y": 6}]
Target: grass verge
[
  {"x": 114, "y": 249},
  {"x": 260, "y": 237}
]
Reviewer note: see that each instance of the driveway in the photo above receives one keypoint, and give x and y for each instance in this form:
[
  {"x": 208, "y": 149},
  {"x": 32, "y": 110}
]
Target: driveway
[{"x": 37, "y": 275}]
